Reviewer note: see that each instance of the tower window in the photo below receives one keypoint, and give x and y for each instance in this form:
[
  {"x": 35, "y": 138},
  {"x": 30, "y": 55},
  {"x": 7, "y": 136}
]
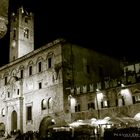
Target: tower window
[
  {"x": 26, "y": 20},
  {"x": 39, "y": 67},
  {"x": 26, "y": 33},
  {"x": 29, "y": 113},
  {"x": 49, "y": 62},
  {"x": 30, "y": 71},
  {"x": 14, "y": 34}
]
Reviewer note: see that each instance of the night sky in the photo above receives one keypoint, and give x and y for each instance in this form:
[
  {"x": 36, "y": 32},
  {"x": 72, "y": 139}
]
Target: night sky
[{"x": 112, "y": 29}]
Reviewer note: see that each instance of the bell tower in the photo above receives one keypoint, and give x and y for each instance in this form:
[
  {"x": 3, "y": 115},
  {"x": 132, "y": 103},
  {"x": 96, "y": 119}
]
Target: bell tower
[{"x": 21, "y": 33}]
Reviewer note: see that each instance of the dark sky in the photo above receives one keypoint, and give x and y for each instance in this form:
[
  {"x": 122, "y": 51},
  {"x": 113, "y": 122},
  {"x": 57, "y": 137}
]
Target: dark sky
[{"x": 109, "y": 28}]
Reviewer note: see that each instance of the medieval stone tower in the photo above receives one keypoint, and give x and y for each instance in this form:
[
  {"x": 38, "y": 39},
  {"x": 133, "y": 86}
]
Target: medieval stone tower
[{"x": 21, "y": 33}]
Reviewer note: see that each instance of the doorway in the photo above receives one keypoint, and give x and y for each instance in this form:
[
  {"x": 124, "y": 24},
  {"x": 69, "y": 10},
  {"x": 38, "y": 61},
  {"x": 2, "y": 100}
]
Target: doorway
[{"x": 14, "y": 121}]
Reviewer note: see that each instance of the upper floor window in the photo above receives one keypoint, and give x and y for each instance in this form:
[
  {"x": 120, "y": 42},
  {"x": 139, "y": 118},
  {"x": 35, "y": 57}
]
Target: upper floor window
[
  {"x": 3, "y": 112},
  {"x": 136, "y": 99},
  {"x": 40, "y": 85},
  {"x": 105, "y": 103},
  {"x": 5, "y": 80},
  {"x": 26, "y": 33},
  {"x": 120, "y": 101},
  {"x": 30, "y": 70},
  {"x": 8, "y": 94},
  {"x": 50, "y": 103},
  {"x": 21, "y": 74},
  {"x": 91, "y": 106},
  {"x": 26, "y": 20},
  {"x": 49, "y": 62},
  {"x": 43, "y": 104},
  {"x": 29, "y": 113},
  {"x": 17, "y": 91},
  {"x": 14, "y": 33},
  {"x": 39, "y": 67},
  {"x": 77, "y": 108}
]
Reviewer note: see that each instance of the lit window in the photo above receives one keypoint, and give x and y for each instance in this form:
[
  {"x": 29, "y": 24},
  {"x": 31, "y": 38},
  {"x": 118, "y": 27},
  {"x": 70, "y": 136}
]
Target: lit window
[
  {"x": 29, "y": 113},
  {"x": 26, "y": 33},
  {"x": 43, "y": 104},
  {"x": 104, "y": 103},
  {"x": 136, "y": 99}
]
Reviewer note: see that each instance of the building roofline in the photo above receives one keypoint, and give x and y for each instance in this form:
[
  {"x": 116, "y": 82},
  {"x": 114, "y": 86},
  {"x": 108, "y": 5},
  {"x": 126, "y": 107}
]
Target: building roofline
[{"x": 48, "y": 45}]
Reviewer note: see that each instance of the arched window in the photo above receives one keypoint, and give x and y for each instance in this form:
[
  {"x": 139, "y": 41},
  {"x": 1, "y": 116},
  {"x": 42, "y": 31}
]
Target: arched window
[
  {"x": 50, "y": 103},
  {"x": 43, "y": 104},
  {"x": 30, "y": 68},
  {"x": 3, "y": 112},
  {"x": 26, "y": 33},
  {"x": 21, "y": 71},
  {"x": 39, "y": 67}
]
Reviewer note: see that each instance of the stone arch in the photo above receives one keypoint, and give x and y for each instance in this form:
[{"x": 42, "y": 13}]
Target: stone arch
[
  {"x": 30, "y": 63},
  {"x": 14, "y": 72},
  {"x": 21, "y": 68},
  {"x": 14, "y": 120},
  {"x": 39, "y": 59},
  {"x": 44, "y": 125},
  {"x": 13, "y": 79},
  {"x": 6, "y": 74}
]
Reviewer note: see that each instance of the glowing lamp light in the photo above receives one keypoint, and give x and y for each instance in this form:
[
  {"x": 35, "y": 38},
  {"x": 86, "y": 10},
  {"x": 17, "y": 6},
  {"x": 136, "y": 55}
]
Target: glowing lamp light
[
  {"x": 13, "y": 43},
  {"x": 137, "y": 117}
]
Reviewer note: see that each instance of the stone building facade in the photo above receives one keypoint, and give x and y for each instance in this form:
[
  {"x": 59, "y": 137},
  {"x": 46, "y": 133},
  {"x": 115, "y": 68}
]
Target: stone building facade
[{"x": 38, "y": 83}]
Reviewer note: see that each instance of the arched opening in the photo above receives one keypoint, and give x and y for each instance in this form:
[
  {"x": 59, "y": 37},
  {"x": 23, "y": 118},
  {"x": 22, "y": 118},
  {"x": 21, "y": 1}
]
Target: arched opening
[
  {"x": 14, "y": 121},
  {"x": 45, "y": 123}
]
